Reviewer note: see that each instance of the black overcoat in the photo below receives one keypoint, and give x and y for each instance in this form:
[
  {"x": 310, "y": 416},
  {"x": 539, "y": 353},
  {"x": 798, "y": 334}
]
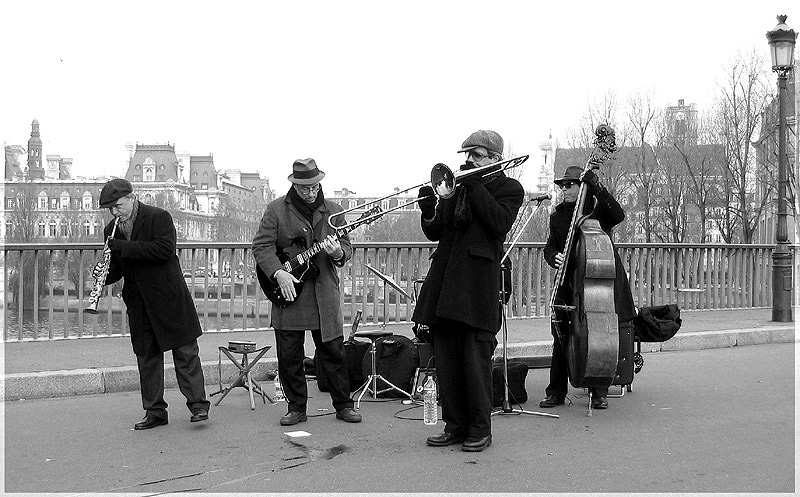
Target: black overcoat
[
  {"x": 154, "y": 284},
  {"x": 463, "y": 282}
]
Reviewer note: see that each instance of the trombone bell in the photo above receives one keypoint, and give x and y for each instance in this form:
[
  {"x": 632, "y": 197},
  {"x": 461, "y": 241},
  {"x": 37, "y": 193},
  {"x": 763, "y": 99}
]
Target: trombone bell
[{"x": 443, "y": 181}]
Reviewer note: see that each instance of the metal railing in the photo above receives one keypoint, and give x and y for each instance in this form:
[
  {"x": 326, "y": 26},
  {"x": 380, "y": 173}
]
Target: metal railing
[{"x": 52, "y": 281}]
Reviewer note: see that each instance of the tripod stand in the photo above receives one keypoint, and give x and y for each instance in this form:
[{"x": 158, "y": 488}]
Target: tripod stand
[{"x": 506, "y": 407}]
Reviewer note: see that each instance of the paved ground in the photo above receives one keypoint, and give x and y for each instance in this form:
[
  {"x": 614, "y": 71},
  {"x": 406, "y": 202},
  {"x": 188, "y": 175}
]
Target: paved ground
[
  {"x": 104, "y": 365},
  {"x": 713, "y": 420}
]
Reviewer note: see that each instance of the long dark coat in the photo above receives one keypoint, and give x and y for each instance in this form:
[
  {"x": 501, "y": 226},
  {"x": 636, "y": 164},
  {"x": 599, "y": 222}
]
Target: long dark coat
[
  {"x": 154, "y": 283},
  {"x": 608, "y": 213},
  {"x": 463, "y": 282},
  {"x": 319, "y": 304}
]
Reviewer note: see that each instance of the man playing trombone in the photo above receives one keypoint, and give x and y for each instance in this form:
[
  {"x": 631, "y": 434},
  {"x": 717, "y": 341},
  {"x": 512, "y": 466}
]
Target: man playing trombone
[{"x": 459, "y": 299}]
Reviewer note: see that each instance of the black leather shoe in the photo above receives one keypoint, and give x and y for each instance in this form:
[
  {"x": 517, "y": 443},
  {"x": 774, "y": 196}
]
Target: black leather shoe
[
  {"x": 445, "y": 438},
  {"x": 476, "y": 444},
  {"x": 599, "y": 403},
  {"x": 199, "y": 415},
  {"x": 150, "y": 421},
  {"x": 551, "y": 401},
  {"x": 348, "y": 414}
]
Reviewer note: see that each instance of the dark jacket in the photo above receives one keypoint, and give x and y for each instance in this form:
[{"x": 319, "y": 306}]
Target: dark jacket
[
  {"x": 154, "y": 283},
  {"x": 284, "y": 227},
  {"x": 463, "y": 282},
  {"x": 608, "y": 213}
]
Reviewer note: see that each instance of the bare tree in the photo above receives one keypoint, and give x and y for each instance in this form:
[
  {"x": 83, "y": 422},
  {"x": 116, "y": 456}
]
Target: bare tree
[
  {"x": 602, "y": 109},
  {"x": 742, "y": 99},
  {"x": 703, "y": 162},
  {"x": 640, "y": 119}
]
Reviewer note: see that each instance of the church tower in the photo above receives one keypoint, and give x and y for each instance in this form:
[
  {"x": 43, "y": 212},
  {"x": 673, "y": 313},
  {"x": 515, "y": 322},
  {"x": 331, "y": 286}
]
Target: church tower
[{"x": 35, "y": 166}]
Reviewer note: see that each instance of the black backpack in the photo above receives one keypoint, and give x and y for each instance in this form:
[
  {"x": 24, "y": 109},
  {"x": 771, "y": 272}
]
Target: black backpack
[
  {"x": 396, "y": 359},
  {"x": 657, "y": 323}
]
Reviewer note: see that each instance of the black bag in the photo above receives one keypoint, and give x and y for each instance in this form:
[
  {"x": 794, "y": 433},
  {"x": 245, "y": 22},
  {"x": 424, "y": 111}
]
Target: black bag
[
  {"x": 657, "y": 323},
  {"x": 354, "y": 352},
  {"x": 396, "y": 359},
  {"x": 517, "y": 372}
]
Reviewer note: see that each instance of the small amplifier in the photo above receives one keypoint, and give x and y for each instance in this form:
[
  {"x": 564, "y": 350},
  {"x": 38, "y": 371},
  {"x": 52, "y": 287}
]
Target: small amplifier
[{"x": 236, "y": 346}]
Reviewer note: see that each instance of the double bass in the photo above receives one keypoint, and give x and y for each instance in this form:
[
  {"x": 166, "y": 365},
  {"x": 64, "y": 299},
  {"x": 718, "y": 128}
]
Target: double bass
[{"x": 583, "y": 315}]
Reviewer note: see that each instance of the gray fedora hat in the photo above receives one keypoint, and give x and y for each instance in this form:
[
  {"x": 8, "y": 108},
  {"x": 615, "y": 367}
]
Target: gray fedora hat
[{"x": 305, "y": 172}]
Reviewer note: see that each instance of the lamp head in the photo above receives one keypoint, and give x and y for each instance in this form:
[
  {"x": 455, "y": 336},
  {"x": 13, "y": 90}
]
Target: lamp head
[{"x": 781, "y": 46}]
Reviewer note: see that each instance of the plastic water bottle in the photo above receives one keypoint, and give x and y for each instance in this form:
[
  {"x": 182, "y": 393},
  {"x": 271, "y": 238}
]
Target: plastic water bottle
[
  {"x": 279, "y": 397},
  {"x": 430, "y": 413}
]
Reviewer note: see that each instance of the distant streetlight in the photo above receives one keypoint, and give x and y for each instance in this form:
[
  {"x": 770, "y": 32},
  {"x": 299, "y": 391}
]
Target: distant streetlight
[{"x": 781, "y": 46}]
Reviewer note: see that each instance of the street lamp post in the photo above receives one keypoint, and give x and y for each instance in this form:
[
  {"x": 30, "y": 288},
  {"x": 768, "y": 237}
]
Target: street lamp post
[{"x": 781, "y": 45}]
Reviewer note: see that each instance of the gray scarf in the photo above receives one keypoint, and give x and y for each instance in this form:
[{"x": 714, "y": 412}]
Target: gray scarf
[{"x": 127, "y": 226}]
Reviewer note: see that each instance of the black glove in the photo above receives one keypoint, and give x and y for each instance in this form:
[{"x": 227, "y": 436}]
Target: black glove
[
  {"x": 427, "y": 204},
  {"x": 591, "y": 180},
  {"x": 113, "y": 244}
]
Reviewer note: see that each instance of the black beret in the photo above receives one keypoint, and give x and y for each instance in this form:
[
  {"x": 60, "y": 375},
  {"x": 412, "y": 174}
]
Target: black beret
[{"x": 114, "y": 190}]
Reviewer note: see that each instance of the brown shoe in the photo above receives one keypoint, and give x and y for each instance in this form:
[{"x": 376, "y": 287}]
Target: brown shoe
[
  {"x": 198, "y": 414},
  {"x": 348, "y": 414},
  {"x": 293, "y": 417},
  {"x": 599, "y": 403}
]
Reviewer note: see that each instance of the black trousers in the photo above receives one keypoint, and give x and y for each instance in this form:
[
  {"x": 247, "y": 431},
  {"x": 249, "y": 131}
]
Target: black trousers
[
  {"x": 290, "y": 350},
  {"x": 464, "y": 372},
  {"x": 187, "y": 369}
]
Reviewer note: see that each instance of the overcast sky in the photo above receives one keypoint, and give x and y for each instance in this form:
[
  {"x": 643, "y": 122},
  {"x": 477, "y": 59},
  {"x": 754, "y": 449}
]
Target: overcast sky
[{"x": 376, "y": 92}]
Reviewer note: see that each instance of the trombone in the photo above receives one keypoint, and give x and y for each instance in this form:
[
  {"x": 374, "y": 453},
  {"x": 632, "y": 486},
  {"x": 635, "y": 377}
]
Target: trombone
[{"x": 443, "y": 181}]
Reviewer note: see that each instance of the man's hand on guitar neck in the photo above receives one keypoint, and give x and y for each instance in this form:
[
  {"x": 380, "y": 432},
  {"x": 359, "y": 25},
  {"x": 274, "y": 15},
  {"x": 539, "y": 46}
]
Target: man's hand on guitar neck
[
  {"x": 332, "y": 247},
  {"x": 286, "y": 281}
]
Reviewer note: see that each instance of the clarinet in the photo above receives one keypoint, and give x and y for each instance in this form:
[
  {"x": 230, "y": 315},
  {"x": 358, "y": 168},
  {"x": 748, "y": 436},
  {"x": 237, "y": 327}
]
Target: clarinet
[{"x": 100, "y": 281}]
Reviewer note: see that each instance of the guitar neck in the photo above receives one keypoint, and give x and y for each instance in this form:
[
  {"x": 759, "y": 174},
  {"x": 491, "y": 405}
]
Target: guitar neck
[{"x": 306, "y": 255}]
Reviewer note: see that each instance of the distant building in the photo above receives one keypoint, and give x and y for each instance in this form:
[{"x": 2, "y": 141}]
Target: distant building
[
  {"x": 682, "y": 121},
  {"x": 16, "y": 159},
  {"x": 35, "y": 166},
  {"x": 42, "y": 202}
]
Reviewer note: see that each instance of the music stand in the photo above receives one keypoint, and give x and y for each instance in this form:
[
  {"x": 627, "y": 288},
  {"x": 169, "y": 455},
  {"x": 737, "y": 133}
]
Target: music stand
[
  {"x": 387, "y": 279},
  {"x": 506, "y": 408}
]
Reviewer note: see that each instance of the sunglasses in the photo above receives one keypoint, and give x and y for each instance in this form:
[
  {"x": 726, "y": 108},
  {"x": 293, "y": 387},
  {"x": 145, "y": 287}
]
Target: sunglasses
[{"x": 566, "y": 185}]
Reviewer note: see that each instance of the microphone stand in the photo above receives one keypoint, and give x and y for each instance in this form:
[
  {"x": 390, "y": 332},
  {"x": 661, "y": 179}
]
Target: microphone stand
[{"x": 506, "y": 408}]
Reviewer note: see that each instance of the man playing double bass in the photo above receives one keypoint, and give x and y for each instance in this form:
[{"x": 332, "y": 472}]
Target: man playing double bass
[{"x": 608, "y": 213}]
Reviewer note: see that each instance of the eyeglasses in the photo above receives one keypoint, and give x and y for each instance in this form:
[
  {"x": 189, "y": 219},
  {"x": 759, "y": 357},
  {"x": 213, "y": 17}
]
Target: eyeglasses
[
  {"x": 566, "y": 185},
  {"x": 308, "y": 189},
  {"x": 476, "y": 156}
]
